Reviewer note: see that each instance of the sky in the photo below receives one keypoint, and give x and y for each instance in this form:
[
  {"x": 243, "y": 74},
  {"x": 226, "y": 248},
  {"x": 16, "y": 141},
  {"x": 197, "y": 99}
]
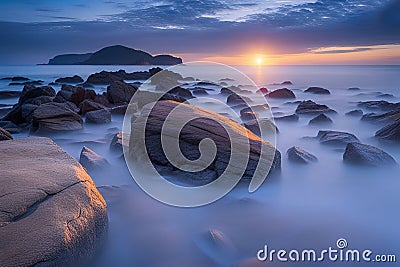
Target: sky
[{"x": 236, "y": 32}]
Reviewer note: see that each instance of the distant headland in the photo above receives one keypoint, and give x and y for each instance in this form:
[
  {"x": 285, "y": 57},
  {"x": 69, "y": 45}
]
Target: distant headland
[{"x": 115, "y": 55}]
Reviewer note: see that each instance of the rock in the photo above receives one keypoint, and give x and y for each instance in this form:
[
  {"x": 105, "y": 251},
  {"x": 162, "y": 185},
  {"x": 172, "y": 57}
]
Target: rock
[
  {"x": 98, "y": 116},
  {"x": 27, "y": 111},
  {"x": 235, "y": 99},
  {"x": 119, "y": 109},
  {"x": 89, "y": 105},
  {"x": 361, "y": 154},
  {"x": 282, "y": 93},
  {"x": 267, "y": 126},
  {"x": 16, "y": 79},
  {"x": 210, "y": 125},
  {"x": 379, "y": 104},
  {"x": 116, "y": 143},
  {"x": 10, "y": 127},
  {"x": 353, "y": 89},
  {"x": 320, "y": 119},
  {"x": 387, "y": 117},
  {"x": 299, "y": 155},
  {"x": 31, "y": 91},
  {"x": 38, "y": 82},
  {"x": 102, "y": 100},
  {"x": 262, "y": 90},
  {"x": 91, "y": 160},
  {"x": 73, "y": 79},
  {"x": 390, "y": 132},
  {"x": 182, "y": 92},
  {"x": 225, "y": 91},
  {"x": 56, "y": 117},
  {"x": 119, "y": 92},
  {"x": 336, "y": 138},
  {"x": 317, "y": 90},
  {"x": 104, "y": 77},
  {"x": 51, "y": 212},
  {"x": 9, "y": 94},
  {"x": 286, "y": 83},
  {"x": 356, "y": 112},
  {"x": 74, "y": 94},
  {"x": 5, "y": 135},
  {"x": 310, "y": 107},
  {"x": 200, "y": 91},
  {"x": 293, "y": 117}
]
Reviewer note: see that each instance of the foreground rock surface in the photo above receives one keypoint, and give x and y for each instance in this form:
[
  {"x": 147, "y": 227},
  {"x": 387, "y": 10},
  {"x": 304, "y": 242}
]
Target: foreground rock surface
[
  {"x": 361, "y": 154},
  {"x": 51, "y": 212}
]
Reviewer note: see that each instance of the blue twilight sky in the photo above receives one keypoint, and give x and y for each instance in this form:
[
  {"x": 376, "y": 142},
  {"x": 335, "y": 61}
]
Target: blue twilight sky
[{"x": 225, "y": 30}]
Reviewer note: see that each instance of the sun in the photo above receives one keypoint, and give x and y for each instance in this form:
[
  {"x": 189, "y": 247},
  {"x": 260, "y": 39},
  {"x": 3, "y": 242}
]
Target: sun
[{"x": 259, "y": 60}]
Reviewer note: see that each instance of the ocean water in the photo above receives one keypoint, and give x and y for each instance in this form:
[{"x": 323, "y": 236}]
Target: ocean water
[{"x": 304, "y": 207}]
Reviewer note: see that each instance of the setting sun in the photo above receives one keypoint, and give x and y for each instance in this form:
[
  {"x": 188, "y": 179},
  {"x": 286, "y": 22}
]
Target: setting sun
[{"x": 259, "y": 60}]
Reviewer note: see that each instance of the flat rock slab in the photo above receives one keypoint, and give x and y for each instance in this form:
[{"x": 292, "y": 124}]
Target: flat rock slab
[{"x": 51, "y": 213}]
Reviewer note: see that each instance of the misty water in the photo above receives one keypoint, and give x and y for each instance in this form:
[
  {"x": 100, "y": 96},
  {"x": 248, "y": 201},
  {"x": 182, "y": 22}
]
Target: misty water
[{"x": 304, "y": 207}]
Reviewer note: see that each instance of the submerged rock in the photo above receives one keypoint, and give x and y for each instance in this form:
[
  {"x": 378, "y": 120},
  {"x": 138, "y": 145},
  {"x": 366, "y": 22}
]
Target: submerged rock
[
  {"x": 336, "y": 138},
  {"x": 282, "y": 93},
  {"x": 73, "y": 79},
  {"x": 299, "y": 155},
  {"x": 5, "y": 135},
  {"x": 320, "y": 119},
  {"x": 310, "y": 107},
  {"x": 356, "y": 112},
  {"x": 317, "y": 90},
  {"x": 390, "y": 132},
  {"x": 98, "y": 116},
  {"x": 361, "y": 154},
  {"x": 51, "y": 212},
  {"x": 91, "y": 160}
]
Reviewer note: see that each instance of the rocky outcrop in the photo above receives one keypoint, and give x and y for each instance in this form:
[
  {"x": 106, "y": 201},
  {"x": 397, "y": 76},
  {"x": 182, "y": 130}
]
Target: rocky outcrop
[
  {"x": 310, "y": 107},
  {"x": 282, "y": 93},
  {"x": 107, "y": 77},
  {"x": 51, "y": 213},
  {"x": 336, "y": 138},
  {"x": 299, "y": 155},
  {"x": 91, "y": 160},
  {"x": 190, "y": 137},
  {"x": 73, "y": 79},
  {"x": 362, "y": 154},
  {"x": 119, "y": 92},
  {"x": 320, "y": 119},
  {"x": 56, "y": 117},
  {"x": 390, "y": 131},
  {"x": 98, "y": 116},
  {"x": 317, "y": 90},
  {"x": 5, "y": 135}
]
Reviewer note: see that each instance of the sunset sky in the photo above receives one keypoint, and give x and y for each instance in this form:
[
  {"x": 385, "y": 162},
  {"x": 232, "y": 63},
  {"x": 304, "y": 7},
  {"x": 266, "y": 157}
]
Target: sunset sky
[{"x": 235, "y": 32}]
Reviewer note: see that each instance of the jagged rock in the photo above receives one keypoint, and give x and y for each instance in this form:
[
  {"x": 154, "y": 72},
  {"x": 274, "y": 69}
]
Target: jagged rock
[
  {"x": 336, "y": 138},
  {"x": 356, "y": 112},
  {"x": 91, "y": 160},
  {"x": 73, "y": 79},
  {"x": 361, "y": 154},
  {"x": 31, "y": 91},
  {"x": 317, "y": 90},
  {"x": 89, "y": 105},
  {"x": 56, "y": 117},
  {"x": 293, "y": 117},
  {"x": 98, "y": 116},
  {"x": 282, "y": 93},
  {"x": 310, "y": 107},
  {"x": 5, "y": 135},
  {"x": 390, "y": 132},
  {"x": 51, "y": 212},
  {"x": 119, "y": 92},
  {"x": 320, "y": 119},
  {"x": 297, "y": 154}
]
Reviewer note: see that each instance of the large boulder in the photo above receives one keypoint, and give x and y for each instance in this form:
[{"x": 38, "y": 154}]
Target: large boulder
[
  {"x": 209, "y": 125},
  {"x": 56, "y": 117},
  {"x": 74, "y": 94},
  {"x": 282, "y": 93},
  {"x": 299, "y": 155},
  {"x": 31, "y": 91},
  {"x": 336, "y": 138},
  {"x": 98, "y": 116},
  {"x": 5, "y": 135},
  {"x": 310, "y": 107},
  {"x": 119, "y": 92},
  {"x": 51, "y": 213},
  {"x": 317, "y": 90},
  {"x": 390, "y": 131},
  {"x": 362, "y": 154}
]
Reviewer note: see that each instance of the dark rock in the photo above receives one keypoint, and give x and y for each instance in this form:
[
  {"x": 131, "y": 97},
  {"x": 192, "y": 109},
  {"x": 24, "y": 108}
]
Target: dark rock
[
  {"x": 361, "y": 154},
  {"x": 98, "y": 116},
  {"x": 390, "y": 132},
  {"x": 336, "y": 138},
  {"x": 320, "y": 119},
  {"x": 379, "y": 104},
  {"x": 386, "y": 117},
  {"x": 225, "y": 91},
  {"x": 286, "y": 83},
  {"x": 353, "y": 89},
  {"x": 265, "y": 125},
  {"x": 299, "y": 155},
  {"x": 55, "y": 117},
  {"x": 10, "y": 127},
  {"x": 282, "y": 93},
  {"x": 104, "y": 77},
  {"x": 102, "y": 99},
  {"x": 200, "y": 91},
  {"x": 5, "y": 135},
  {"x": 293, "y": 117},
  {"x": 182, "y": 92},
  {"x": 262, "y": 90},
  {"x": 31, "y": 91},
  {"x": 38, "y": 82},
  {"x": 16, "y": 79},
  {"x": 9, "y": 94},
  {"x": 73, "y": 79},
  {"x": 310, "y": 107},
  {"x": 119, "y": 109},
  {"x": 91, "y": 160},
  {"x": 356, "y": 112},
  {"x": 116, "y": 143},
  {"x": 89, "y": 105},
  {"x": 235, "y": 99},
  {"x": 317, "y": 90},
  {"x": 119, "y": 92}
]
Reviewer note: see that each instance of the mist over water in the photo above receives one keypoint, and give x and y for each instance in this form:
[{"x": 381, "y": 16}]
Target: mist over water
[{"x": 303, "y": 207}]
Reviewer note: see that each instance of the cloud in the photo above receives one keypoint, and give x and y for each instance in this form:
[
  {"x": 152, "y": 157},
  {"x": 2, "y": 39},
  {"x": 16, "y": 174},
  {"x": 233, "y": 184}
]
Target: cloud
[{"x": 342, "y": 51}]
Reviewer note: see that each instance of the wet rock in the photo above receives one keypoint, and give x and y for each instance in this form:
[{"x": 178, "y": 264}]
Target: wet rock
[
  {"x": 74, "y": 94},
  {"x": 390, "y": 131},
  {"x": 10, "y": 127},
  {"x": 38, "y": 82},
  {"x": 16, "y": 78},
  {"x": 317, "y": 90},
  {"x": 116, "y": 143},
  {"x": 310, "y": 107},
  {"x": 387, "y": 117},
  {"x": 119, "y": 92},
  {"x": 379, "y": 104},
  {"x": 119, "y": 109},
  {"x": 51, "y": 212},
  {"x": 293, "y": 117},
  {"x": 9, "y": 94},
  {"x": 89, "y": 105},
  {"x": 5, "y": 135},
  {"x": 356, "y": 113},
  {"x": 200, "y": 91},
  {"x": 98, "y": 116},
  {"x": 30, "y": 92},
  {"x": 225, "y": 91},
  {"x": 235, "y": 99},
  {"x": 320, "y": 119},
  {"x": 299, "y": 155},
  {"x": 282, "y": 93},
  {"x": 336, "y": 138},
  {"x": 265, "y": 125},
  {"x": 182, "y": 92},
  {"x": 362, "y": 154},
  {"x": 56, "y": 117},
  {"x": 91, "y": 160},
  {"x": 353, "y": 89},
  {"x": 73, "y": 79}
]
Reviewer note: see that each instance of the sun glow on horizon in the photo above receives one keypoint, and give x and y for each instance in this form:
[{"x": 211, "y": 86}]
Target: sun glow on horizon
[{"x": 259, "y": 60}]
